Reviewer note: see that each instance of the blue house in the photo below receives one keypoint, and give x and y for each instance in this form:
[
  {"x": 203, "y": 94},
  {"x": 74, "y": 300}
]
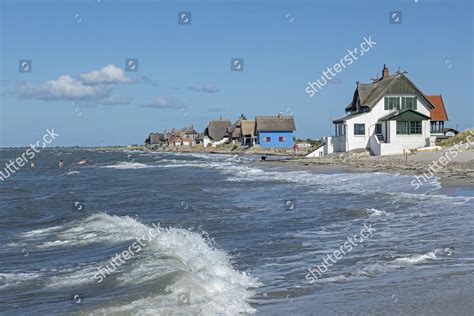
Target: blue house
[{"x": 275, "y": 131}]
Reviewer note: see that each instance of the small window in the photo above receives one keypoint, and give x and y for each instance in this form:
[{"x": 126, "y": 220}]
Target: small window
[
  {"x": 408, "y": 103},
  {"x": 392, "y": 103},
  {"x": 378, "y": 129},
  {"x": 359, "y": 129},
  {"x": 267, "y": 139},
  {"x": 282, "y": 139}
]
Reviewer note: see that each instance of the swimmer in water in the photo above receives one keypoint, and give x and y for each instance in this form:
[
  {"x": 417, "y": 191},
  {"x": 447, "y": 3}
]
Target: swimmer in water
[
  {"x": 61, "y": 163},
  {"x": 83, "y": 161}
]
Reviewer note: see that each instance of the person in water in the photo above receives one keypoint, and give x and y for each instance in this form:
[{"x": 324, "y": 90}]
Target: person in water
[
  {"x": 83, "y": 161},
  {"x": 61, "y": 163}
]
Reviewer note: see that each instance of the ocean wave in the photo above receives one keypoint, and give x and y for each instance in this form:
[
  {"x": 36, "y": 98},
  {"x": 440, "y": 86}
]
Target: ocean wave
[
  {"x": 375, "y": 212},
  {"x": 127, "y": 165},
  {"x": 15, "y": 279},
  {"x": 71, "y": 173},
  {"x": 383, "y": 267},
  {"x": 424, "y": 257},
  {"x": 179, "y": 261}
]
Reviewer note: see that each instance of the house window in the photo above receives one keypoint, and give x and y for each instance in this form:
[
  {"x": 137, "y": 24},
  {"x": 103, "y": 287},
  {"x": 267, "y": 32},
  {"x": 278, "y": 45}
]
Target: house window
[
  {"x": 409, "y": 128},
  {"x": 378, "y": 129},
  {"x": 392, "y": 103},
  {"x": 408, "y": 103},
  {"x": 267, "y": 139},
  {"x": 340, "y": 129},
  {"x": 282, "y": 138},
  {"x": 359, "y": 129}
]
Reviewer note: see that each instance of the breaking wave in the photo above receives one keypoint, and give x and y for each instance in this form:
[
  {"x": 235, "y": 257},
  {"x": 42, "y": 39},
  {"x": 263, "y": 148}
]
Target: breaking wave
[{"x": 175, "y": 262}]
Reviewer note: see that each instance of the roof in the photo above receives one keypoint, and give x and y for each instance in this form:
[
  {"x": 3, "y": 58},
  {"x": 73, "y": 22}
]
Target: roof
[
  {"x": 248, "y": 127},
  {"x": 345, "y": 118},
  {"x": 189, "y": 130},
  {"x": 405, "y": 115},
  {"x": 369, "y": 94},
  {"x": 439, "y": 112},
  {"x": 277, "y": 123},
  {"x": 156, "y": 138},
  {"x": 448, "y": 129},
  {"x": 237, "y": 123},
  {"x": 217, "y": 129}
]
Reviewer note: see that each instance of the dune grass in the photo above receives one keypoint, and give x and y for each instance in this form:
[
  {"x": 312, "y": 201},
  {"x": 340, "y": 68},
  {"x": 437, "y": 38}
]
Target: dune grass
[{"x": 461, "y": 137}]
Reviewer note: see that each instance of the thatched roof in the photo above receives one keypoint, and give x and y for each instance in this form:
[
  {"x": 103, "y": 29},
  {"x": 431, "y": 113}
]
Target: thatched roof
[
  {"x": 278, "y": 123},
  {"x": 248, "y": 128},
  {"x": 217, "y": 129},
  {"x": 156, "y": 138},
  {"x": 369, "y": 94}
]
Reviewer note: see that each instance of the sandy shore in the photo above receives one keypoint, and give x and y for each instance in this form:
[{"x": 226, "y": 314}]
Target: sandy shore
[{"x": 458, "y": 172}]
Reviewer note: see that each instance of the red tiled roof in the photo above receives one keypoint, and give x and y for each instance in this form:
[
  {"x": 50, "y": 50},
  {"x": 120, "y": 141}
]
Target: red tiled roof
[{"x": 439, "y": 112}]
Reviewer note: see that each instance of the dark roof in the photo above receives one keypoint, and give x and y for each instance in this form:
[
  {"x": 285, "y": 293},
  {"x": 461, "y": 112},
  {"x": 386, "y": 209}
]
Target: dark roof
[
  {"x": 278, "y": 123},
  {"x": 369, "y": 94},
  {"x": 408, "y": 114},
  {"x": 217, "y": 129},
  {"x": 439, "y": 112},
  {"x": 448, "y": 129},
  {"x": 156, "y": 138}
]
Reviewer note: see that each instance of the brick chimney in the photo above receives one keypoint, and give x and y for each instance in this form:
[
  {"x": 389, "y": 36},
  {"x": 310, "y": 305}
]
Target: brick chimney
[{"x": 385, "y": 72}]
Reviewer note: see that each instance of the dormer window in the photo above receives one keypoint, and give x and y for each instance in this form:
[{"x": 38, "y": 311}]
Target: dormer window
[
  {"x": 392, "y": 103},
  {"x": 408, "y": 103},
  {"x": 400, "y": 103}
]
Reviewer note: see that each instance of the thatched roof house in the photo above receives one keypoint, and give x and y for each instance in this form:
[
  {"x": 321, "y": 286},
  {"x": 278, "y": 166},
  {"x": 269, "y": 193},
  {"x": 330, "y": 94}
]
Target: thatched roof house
[{"x": 217, "y": 129}]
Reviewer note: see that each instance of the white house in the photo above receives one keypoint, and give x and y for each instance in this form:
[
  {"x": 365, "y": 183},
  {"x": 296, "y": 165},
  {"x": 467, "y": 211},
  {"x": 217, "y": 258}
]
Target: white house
[
  {"x": 388, "y": 116},
  {"x": 216, "y": 133}
]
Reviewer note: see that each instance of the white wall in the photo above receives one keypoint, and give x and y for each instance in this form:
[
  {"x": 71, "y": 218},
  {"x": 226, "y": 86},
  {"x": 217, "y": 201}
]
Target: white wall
[{"x": 398, "y": 142}]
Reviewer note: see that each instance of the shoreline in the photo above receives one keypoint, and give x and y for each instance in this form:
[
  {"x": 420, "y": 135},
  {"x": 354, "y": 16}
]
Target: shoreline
[{"x": 459, "y": 174}]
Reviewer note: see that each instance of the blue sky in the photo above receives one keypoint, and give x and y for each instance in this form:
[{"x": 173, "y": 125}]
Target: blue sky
[{"x": 184, "y": 76}]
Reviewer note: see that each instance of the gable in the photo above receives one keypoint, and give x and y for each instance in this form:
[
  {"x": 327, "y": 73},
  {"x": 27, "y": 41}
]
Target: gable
[{"x": 406, "y": 116}]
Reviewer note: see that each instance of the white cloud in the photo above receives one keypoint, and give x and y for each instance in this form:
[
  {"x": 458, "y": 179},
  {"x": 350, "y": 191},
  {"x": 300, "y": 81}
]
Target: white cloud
[
  {"x": 209, "y": 88},
  {"x": 63, "y": 88},
  {"x": 165, "y": 103},
  {"x": 91, "y": 88},
  {"x": 109, "y": 74}
]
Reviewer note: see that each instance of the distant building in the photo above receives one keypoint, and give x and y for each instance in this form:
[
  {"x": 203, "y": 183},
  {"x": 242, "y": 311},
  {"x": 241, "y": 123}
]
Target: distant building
[
  {"x": 190, "y": 132},
  {"x": 275, "y": 131},
  {"x": 438, "y": 115},
  {"x": 155, "y": 139},
  {"x": 216, "y": 133},
  {"x": 450, "y": 132},
  {"x": 242, "y": 132}
]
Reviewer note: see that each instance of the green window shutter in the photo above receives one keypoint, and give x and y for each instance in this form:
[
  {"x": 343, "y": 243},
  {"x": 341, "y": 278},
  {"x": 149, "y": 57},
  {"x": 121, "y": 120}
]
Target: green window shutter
[
  {"x": 404, "y": 103},
  {"x": 414, "y": 103},
  {"x": 386, "y": 103},
  {"x": 398, "y": 103}
]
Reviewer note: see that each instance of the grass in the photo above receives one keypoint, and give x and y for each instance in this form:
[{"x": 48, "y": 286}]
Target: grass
[{"x": 461, "y": 137}]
